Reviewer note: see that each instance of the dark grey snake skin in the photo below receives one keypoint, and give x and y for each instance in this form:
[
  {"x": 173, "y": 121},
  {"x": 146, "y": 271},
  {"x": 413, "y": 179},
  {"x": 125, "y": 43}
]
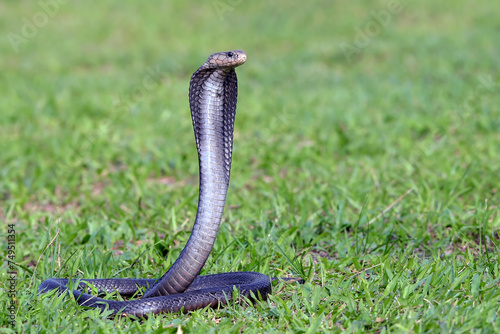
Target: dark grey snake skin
[{"x": 212, "y": 96}]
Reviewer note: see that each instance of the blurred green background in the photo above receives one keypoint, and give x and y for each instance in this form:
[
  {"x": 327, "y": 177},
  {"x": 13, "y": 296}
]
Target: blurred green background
[
  {"x": 344, "y": 106},
  {"x": 78, "y": 92}
]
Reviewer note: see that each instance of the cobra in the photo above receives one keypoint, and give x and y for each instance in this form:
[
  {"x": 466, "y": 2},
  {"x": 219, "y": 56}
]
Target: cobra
[{"x": 213, "y": 92}]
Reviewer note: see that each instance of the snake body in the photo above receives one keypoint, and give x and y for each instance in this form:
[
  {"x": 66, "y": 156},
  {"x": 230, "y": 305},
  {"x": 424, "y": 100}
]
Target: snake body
[{"x": 213, "y": 94}]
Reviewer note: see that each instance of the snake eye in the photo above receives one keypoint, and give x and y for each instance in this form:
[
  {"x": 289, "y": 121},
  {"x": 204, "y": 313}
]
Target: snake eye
[{"x": 229, "y": 54}]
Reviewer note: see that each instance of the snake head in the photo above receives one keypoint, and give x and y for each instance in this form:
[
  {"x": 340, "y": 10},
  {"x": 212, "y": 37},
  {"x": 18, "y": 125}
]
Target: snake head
[{"x": 226, "y": 60}]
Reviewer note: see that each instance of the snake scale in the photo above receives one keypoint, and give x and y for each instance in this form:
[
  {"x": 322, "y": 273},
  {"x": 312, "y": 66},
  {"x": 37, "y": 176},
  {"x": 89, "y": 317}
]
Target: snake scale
[{"x": 213, "y": 92}]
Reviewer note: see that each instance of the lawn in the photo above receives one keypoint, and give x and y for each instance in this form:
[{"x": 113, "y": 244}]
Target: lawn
[{"x": 366, "y": 160}]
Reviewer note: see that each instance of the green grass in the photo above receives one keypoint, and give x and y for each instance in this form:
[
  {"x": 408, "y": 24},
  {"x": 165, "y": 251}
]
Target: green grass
[{"x": 99, "y": 171}]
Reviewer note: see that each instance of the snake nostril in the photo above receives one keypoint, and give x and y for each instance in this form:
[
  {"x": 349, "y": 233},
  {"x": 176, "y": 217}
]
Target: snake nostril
[{"x": 229, "y": 54}]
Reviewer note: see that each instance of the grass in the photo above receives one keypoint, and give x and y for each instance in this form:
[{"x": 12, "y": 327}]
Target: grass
[{"x": 373, "y": 174}]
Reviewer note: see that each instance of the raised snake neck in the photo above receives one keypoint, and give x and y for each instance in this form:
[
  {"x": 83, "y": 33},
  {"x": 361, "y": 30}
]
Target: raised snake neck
[{"x": 213, "y": 94}]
